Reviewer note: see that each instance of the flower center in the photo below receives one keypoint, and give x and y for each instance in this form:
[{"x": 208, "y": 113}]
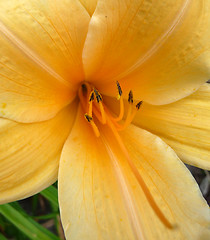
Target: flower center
[
  {"x": 95, "y": 109},
  {"x": 92, "y": 104}
]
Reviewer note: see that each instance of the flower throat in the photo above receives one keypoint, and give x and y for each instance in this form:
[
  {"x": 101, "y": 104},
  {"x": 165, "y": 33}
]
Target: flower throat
[{"x": 92, "y": 103}]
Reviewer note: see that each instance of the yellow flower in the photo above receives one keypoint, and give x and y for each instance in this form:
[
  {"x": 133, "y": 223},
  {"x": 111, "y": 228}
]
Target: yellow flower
[{"x": 59, "y": 65}]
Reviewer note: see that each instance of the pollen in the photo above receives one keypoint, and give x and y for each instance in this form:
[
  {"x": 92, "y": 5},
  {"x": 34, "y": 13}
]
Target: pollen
[
  {"x": 130, "y": 97},
  {"x": 119, "y": 90},
  {"x": 88, "y": 118},
  {"x": 93, "y": 125},
  {"x": 98, "y": 95},
  {"x": 95, "y": 108}
]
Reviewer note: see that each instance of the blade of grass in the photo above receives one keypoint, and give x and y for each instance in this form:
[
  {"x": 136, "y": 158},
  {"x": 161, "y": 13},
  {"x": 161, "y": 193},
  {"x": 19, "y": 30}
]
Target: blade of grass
[
  {"x": 34, "y": 203},
  {"x": 25, "y": 224},
  {"x": 55, "y": 209},
  {"x": 45, "y": 217},
  {"x": 51, "y": 194}
]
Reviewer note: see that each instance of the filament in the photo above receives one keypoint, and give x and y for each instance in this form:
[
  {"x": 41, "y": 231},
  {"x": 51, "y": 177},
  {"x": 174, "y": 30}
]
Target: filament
[
  {"x": 90, "y": 110},
  {"x": 103, "y": 114},
  {"x": 95, "y": 129},
  {"x": 121, "y": 114}
]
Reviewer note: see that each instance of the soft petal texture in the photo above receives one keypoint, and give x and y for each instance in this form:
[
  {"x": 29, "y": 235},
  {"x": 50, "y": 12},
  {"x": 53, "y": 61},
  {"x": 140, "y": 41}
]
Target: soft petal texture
[
  {"x": 29, "y": 154},
  {"x": 55, "y": 30},
  {"x": 184, "y": 125},
  {"x": 159, "y": 49},
  {"x": 91, "y": 202},
  {"x": 90, "y": 5},
  {"x": 41, "y": 46}
]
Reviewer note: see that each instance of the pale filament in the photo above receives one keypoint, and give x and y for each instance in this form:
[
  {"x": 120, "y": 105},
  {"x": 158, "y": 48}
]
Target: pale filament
[
  {"x": 90, "y": 110},
  {"x": 96, "y": 107}
]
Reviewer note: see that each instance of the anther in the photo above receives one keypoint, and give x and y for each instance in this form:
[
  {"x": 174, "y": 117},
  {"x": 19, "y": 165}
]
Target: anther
[
  {"x": 138, "y": 105},
  {"x": 91, "y": 98},
  {"x": 88, "y": 118},
  {"x": 93, "y": 125},
  {"x": 130, "y": 97},
  {"x": 98, "y": 95},
  {"x": 99, "y": 101},
  {"x": 119, "y": 90}
]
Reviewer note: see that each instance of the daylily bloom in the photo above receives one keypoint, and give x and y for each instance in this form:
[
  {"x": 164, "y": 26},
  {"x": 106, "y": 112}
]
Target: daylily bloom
[{"x": 63, "y": 63}]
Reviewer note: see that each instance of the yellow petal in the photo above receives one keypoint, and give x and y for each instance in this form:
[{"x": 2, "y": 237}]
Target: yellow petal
[
  {"x": 101, "y": 199},
  {"x": 90, "y": 5},
  {"x": 160, "y": 49},
  {"x": 184, "y": 125},
  {"x": 40, "y": 47},
  {"x": 29, "y": 154},
  {"x": 54, "y": 30}
]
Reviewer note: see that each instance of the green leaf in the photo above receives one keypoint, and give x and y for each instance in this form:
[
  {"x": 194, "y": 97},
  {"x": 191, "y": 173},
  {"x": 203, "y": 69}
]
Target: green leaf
[
  {"x": 26, "y": 224},
  {"x": 45, "y": 217},
  {"x": 2, "y": 237},
  {"x": 51, "y": 194}
]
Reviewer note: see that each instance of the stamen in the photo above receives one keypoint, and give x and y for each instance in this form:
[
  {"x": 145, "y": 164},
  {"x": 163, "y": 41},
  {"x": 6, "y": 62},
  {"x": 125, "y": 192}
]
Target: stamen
[
  {"x": 93, "y": 125},
  {"x": 119, "y": 97},
  {"x": 99, "y": 101},
  {"x": 98, "y": 95},
  {"x": 130, "y": 97},
  {"x": 119, "y": 90},
  {"x": 131, "y": 114},
  {"x": 103, "y": 114},
  {"x": 91, "y": 99},
  {"x": 90, "y": 110},
  {"x": 121, "y": 114},
  {"x": 138, "y": 105},
  {"x": 88, "y": 118}
]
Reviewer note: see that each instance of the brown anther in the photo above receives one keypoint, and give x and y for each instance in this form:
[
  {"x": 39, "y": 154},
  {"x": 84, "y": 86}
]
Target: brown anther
[
  {"x": 98, "y": 95},
  {"x": 91, "y": 97},
  {"x": 138, "y": 105},
  {"x": 88, "y": 118},
  {"x": 119, "y": 90},
  {"x": 130, "y": 97}
]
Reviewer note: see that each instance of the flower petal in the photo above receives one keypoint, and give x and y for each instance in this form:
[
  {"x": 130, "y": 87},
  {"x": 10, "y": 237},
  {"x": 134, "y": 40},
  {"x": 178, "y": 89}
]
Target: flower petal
[
  {"x": 58, "y": 28},
  {"x": 29, "y": 154},
  {"x": 94, "y": 174},
  {"x": 184, "y": 125},
  {"x": 41, "y": 56},
  {"x": 160, "y": 50},
  {"x": 90, "y": 5}
]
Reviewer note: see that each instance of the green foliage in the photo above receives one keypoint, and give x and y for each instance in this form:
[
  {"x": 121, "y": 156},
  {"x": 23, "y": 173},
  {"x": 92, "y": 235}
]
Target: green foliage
[{"x": 17, "y": 222}]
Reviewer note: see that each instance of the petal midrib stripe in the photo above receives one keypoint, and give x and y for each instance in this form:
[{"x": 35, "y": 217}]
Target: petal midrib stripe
[
  {"x": 158, "y": 43},
  {"x": 29, "y": 53}
]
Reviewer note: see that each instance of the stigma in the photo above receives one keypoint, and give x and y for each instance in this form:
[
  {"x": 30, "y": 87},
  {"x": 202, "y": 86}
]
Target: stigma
[{"x": 95, "y": 108}]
